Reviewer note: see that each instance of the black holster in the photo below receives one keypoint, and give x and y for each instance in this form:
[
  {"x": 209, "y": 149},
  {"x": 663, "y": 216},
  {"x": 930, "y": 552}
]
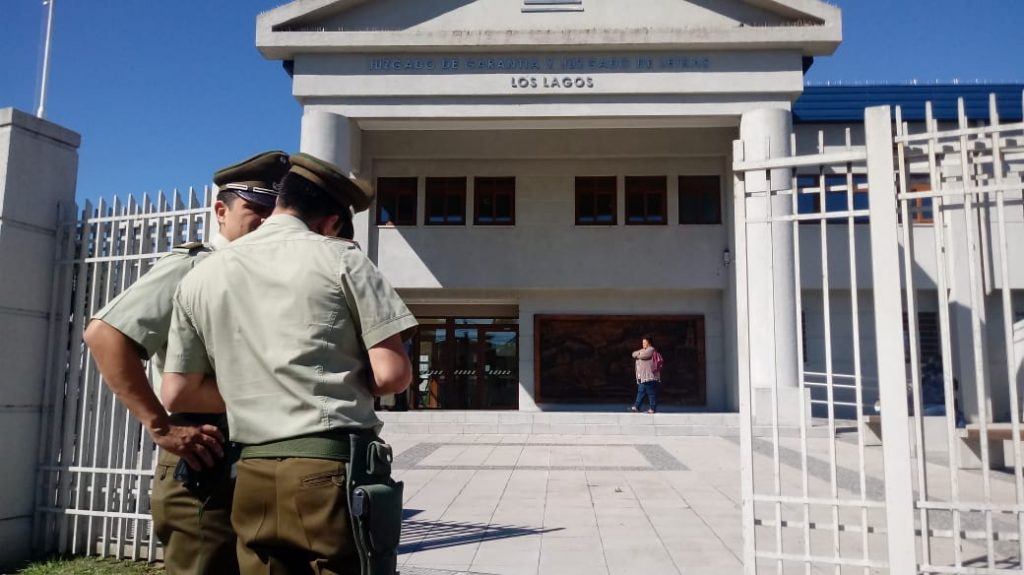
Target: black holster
[{"x": 375, "y": 504}]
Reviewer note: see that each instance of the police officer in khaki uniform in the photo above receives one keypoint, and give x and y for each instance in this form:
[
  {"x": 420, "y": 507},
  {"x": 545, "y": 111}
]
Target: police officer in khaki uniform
[
  {"x": 195, "y": 527},
  {"x": 303, "y": 331}
]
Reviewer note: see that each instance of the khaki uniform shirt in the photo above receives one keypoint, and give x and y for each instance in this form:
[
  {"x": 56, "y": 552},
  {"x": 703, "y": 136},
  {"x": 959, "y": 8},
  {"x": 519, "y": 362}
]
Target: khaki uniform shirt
[
  {"x": 284, "y": 316},
  {"x": 143, "y": 311}
]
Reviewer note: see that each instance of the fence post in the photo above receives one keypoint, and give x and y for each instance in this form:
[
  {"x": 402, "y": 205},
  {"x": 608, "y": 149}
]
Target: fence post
[
  {"x": 744, "y": 391},
  {"x": 38, "y": 170},
  {"x": 892, "y": 384}
]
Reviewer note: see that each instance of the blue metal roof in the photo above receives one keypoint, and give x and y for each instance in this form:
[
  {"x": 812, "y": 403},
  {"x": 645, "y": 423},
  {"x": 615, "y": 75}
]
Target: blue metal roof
[{"x": 846, "y": 103}]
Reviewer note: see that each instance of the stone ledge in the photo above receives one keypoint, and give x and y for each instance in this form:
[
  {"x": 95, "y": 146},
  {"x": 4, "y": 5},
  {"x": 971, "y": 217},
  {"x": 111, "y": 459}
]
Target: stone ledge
[{"x": 42, "y": 127}]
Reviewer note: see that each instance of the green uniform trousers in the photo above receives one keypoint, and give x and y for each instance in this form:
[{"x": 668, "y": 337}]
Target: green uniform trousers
[
  {"x": 291, "y": 516},
  {"x": 197, "y": 537}
]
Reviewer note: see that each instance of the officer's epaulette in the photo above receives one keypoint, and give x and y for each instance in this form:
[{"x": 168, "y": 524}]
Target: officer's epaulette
[
  {"x": 352, "y": 243},
  {"x": 192, "y": 248}
]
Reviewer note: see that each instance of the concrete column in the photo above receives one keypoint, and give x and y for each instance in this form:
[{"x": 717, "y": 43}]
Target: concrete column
[
  {"x": 38, "y": 169},
  {"x": 338, "y": 140},
  {"x": 772, "y": 290},
  {"x": 729, "y": 301}
]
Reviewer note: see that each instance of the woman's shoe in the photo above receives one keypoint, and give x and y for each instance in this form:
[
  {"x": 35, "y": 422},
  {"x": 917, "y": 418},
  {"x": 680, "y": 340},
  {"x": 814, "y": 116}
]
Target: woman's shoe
[
  {"x": 633, "y": 409},
  {"x": 651, "y": 411}
]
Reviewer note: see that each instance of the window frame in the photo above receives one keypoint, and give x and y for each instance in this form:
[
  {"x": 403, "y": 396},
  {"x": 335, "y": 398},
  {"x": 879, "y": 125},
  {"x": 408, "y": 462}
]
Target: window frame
[
  {"x": 660, "y": 198},
  {"x": 921, "y": 210},
  {"x": 581, "y": 192},
  {"x": 455, "y": 192},
  {"x": 397, "y": 220},
  {"x": 478, "y": 196},
  {"x": 683, "y": 214}
]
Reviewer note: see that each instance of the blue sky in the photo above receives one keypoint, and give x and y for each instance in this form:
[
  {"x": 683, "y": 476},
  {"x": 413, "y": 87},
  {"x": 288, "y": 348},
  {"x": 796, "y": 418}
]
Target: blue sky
[{"x": 166, "y": 92}]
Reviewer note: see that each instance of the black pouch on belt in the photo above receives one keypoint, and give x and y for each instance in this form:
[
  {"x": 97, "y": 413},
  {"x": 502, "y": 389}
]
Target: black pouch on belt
[
  {"x": 375, "y": 504},
  {"x": 201, "y": 482}
]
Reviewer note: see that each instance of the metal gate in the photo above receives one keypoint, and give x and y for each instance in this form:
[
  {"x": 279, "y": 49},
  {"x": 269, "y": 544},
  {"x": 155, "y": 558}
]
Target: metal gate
[
  {"x": 907, "y": 248},
  {"x": 96, "y": 462}
]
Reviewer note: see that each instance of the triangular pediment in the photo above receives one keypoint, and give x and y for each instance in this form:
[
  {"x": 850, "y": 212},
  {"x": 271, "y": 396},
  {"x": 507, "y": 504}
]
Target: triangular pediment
[{"x": 304, "y": 26}]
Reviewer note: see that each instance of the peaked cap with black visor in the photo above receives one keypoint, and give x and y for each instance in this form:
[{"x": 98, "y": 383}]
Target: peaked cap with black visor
[{"x": 255, "y": 179}]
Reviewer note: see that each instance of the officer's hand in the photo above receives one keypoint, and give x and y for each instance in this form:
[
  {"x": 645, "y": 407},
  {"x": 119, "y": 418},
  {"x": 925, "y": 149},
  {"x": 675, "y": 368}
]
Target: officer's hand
[{"x": 199, "y": 445}]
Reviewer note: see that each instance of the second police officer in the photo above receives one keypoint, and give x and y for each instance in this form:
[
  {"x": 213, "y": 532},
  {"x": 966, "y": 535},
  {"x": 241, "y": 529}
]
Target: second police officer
[{"x": 302, "y": 331}]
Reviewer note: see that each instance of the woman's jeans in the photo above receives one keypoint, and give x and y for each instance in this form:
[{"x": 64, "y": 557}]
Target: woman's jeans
[{"x": 648, "y": 388}]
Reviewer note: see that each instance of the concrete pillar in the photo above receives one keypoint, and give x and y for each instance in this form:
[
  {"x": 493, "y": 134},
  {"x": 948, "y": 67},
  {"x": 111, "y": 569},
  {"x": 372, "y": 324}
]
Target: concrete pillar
[
  {"x": 772, "y": 290},
  {"x": 338, "y": 140},
  {"x": 38, "y": 169},
  {"x": 729, "y": 301}
]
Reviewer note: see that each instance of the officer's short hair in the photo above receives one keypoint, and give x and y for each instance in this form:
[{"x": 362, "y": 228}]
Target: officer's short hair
[
  {"x": 306, "y": 198},
  {"x": 227, "y": 196}
]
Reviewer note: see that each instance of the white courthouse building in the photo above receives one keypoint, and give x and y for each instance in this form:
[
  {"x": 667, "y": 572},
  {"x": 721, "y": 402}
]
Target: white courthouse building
[{"x": 555, "y": 180}]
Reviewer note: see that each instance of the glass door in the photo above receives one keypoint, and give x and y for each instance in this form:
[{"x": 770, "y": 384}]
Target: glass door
[
  {"x": 465, "y": 389},
  {"x": 465, "y": 364},
  {"x": 499, "y": 372},
  {"x": 429, "y": 364}
]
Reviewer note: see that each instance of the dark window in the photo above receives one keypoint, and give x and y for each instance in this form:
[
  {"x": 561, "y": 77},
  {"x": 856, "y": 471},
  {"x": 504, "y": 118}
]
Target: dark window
[
  {"x": 446, "y": 201},
  {"x": 646, "y": 200},
  {"x": 596, "y": 200},
  {"x": 700, "y": 200},
  {"x": 396, "y": 201},
  {"x": 836, "y": 199},
  {"x": 494, "y": 201},
  {"x": 927, "y": 336}
]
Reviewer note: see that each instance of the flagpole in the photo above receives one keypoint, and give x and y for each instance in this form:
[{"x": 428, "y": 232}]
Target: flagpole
[{"x": 46, "y": 60}]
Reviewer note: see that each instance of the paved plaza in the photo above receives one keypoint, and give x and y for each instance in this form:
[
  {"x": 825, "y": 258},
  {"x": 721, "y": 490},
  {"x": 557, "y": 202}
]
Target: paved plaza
[
  {"x": 649, "y": 499},
  {"x": 525, "y": 504}
]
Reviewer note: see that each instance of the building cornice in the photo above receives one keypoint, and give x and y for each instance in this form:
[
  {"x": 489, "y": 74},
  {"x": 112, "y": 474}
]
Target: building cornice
[{"x": 816, "y": 30}]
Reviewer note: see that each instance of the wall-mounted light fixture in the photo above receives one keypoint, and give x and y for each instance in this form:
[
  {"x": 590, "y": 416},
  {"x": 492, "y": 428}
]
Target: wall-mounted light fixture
[{"x": 726, "y": 257}]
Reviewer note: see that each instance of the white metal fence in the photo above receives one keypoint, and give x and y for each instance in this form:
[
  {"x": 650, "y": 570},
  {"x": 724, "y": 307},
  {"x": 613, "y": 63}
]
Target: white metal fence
[
  {"x": 96, "y": 462},
  {"x": 818, "y": 496},
  {"x": 969, "y": 520}
]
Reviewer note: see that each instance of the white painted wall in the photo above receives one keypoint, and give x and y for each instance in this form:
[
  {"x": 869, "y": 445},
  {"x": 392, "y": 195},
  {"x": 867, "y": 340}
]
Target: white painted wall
[
  {"x": 927, "y": 301},
  {"x": 546, "y": 249},
  {"x": 840, "y": 253}
]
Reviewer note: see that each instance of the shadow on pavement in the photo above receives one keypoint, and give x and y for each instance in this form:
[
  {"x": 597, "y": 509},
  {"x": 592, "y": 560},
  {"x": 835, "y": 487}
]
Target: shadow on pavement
[{"x": 423, "y": 535}]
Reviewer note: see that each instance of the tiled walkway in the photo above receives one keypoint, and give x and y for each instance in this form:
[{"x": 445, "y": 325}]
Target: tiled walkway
[
  {"x": 558, "y": 504},
  {"x": 655, "y": 503}
]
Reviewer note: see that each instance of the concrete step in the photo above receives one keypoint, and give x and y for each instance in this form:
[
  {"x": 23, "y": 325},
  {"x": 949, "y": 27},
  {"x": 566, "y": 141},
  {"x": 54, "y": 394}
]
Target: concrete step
[
  {"x": 559, "y": 423},
  {"x": 569, "y": 423}
]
